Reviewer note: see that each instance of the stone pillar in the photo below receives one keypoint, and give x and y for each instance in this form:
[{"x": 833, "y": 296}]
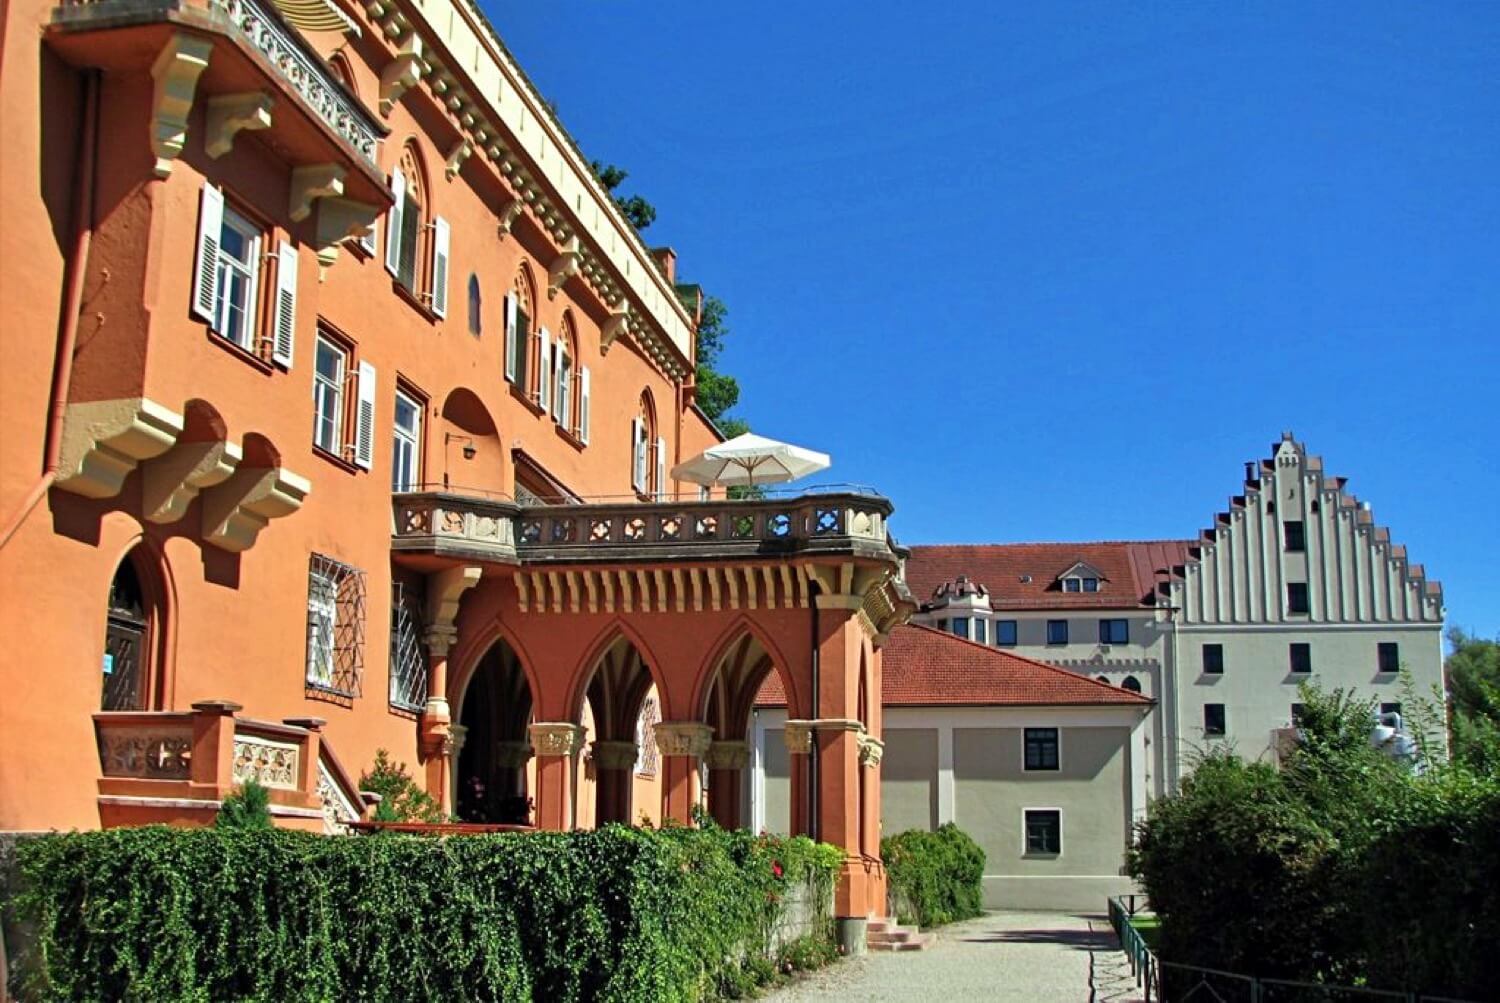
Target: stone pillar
[
  {"x": 681, "y": 745},
  {"x": 798, "y": 738},
  {"x": 312, "y": 751},
  {"x": 453, "y": 747},
  {"x": 434, "y": 732},
  {"x": 726, "y": 770},
  {"x": 555, "y": 743},
  {"x": 212, "y": 765},
  {"x": 614, "y": 762},
  {"x": 871, "y": 750}
]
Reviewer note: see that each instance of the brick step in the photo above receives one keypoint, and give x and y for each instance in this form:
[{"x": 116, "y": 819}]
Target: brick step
[
  {"x": 885, "y": 934},
  {"x": 919, "y": 942}
]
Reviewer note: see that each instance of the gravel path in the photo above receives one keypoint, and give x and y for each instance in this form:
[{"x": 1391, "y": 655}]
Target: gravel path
[{"x": 1036, "y": 957}]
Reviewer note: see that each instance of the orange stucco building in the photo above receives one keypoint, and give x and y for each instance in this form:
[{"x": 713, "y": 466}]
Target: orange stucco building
[{"x": 341, "y": 406}]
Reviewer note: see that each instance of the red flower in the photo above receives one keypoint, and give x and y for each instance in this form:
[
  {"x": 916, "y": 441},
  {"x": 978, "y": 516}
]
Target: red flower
[{"x": 776, "y": 868}]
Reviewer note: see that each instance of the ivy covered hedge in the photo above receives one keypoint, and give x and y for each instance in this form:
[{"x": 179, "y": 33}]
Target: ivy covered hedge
[
  {"x": 934, "y": 877},
  {"x": 218, "y": 914}
]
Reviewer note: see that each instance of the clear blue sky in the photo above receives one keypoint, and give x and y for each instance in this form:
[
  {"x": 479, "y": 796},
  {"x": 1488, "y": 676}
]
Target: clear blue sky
[{"x": 1054, "y": 271}]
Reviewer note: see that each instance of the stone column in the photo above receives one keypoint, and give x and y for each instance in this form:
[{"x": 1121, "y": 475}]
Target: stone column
[
  {"x": 441, "y": 762},
  {"x": 681, "y": 745},
  {"x": 871, "y": 750},
  {"x": 726, "y": 770},
  {"x": 614, "y": 762},
  {"x": 799, "y": 742},
  {"x": 453, "y": 747},
  {"x": 555, "y": 743},
  {"x": 211, "y": 768}
]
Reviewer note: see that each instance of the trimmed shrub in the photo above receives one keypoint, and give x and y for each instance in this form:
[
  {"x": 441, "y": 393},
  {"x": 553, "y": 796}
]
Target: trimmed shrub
[
  {"x": 934, "y": 877},
  {"x": 208, "y": 914},
  {"x": 248, "y": 807}
]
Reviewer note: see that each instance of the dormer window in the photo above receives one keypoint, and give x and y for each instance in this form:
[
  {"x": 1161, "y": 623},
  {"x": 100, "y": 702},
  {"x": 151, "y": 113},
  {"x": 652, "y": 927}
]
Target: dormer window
[
  {"x": 1081, "y": 577},
  {"x": 1079, "y": 584}
]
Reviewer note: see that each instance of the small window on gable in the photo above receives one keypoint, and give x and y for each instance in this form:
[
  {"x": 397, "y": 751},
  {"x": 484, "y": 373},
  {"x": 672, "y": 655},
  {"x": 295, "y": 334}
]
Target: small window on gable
[
  {"x": 1081, "y": 577},
  {"x": 476, "y": 315},
  {"x": 1130, "y": 683}
]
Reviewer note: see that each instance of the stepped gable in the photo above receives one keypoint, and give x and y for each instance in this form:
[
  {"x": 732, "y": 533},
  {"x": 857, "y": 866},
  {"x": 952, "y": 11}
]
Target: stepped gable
[
  {"x": 1021, "y": 576},
  {"x": 924, "y": 667}
]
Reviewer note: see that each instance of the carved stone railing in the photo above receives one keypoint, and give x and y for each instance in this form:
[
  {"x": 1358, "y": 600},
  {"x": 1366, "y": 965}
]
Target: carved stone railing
[
  {"x": 846, "y": 524},
  {"x": 454, "y": 525},
  {"x": 304, "y": 71}
]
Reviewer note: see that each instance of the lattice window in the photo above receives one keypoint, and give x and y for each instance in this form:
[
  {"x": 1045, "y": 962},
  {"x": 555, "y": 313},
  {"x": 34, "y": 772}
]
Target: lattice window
[
  {"x": 645, "y": 738},
  {"x": 408, "y": 659},
  {"x": 335, "y": 626}
]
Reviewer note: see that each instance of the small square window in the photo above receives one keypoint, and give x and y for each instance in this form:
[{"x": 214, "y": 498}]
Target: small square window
[
  {"x": 1390, "y": 656},
  {"x": 1091, "y": 585},
  {"x": 1072, "y": 585},
  {"x": 1295, "y": 536},
  {"x": 1391, "y": 708},
  {"x": 1041, "y": 749},
  {"x": 1296, "y": 597},
  {"x": 1043, "y": 831},
  {"x": 1005, "y": 633},
  {"x": 1114, "y": 631},
  {"x": 1213, "y": 719},
  {"x": 1300, "y": 656},
  {"x": 961, "y": 626},
  {"x": 1213, "y": 659},
  {"x": 1057, "y": 632}
]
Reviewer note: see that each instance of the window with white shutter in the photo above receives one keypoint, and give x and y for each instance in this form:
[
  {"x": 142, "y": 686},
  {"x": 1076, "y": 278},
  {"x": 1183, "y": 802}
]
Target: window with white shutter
[
  {"x": 393, "y": 223},
  {"x": 440, "y": 240},
  {"x": 562, "y": 389},
  {"x": 583, "y": 405},
  {"x": 206, "y": 265},
  {"x": 661, "y": 470},
  {"x": 364, "y": 418},
  {"x": 284, "y": 320},
  {"x": 544, "y": 371},
  {"x": 638, "y": 455},
  {"x": 510, "y": 338},
  {"x": 330, "y": 363}
]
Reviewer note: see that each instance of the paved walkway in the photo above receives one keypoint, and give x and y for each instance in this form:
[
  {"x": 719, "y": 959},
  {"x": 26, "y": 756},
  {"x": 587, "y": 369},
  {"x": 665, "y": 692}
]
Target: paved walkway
[{"x": 1037, "y": 957}]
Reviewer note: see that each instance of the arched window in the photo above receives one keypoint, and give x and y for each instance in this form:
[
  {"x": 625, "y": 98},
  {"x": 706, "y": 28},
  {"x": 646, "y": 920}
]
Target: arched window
[
  {"x": 1131, "y": 683},
  {"x": 407, "y": 222},
  {"x": 648, "y": 470},
  {"x": 475, "y": 306},
  {"x": 520, "y": 306},
  {"x": 565, "y": 376},
  {"x": 1102, "y": 679},
  {"x": 131, "y": 639}
]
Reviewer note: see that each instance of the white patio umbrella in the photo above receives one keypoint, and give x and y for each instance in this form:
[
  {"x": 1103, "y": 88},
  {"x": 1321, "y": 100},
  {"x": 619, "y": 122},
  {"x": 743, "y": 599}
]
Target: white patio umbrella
[{"x": 751, "y": 459}]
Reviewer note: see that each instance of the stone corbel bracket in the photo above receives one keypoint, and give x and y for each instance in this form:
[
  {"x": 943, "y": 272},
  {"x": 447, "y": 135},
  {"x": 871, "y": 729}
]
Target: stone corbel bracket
[
  {"x": 311, "y": 183},
  {"x": 176, "y": 71},
  {"x": 171, "y": 481},
  {"x": 555, "y": 738},
  {"x": 508, "y": 215},
  {"x": 871, "y": 750},
  {"x": 230, "y": 114},
  {"x": 563, "y": 267},
  {"x": 103, "y": 441},
  {"x": 614, "y": 327},
  {"x": 456, "y": 157},
  {"x": 236, "y": 511},
  {"x": 401, "y": 73}
]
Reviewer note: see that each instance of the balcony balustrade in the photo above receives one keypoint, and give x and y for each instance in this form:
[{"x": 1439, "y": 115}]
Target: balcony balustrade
[{"x": 450, "y": 524}]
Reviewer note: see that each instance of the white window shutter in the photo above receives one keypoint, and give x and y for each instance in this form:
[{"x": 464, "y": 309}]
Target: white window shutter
[
  {"x": 510, "y": 337},
  {"x": 661, "y": 469},
  {"x": 364, "y": 418},
  {"x": 583, "y": 405},
  {"x": 206, "y": 266},
  {"x": 637, "y": 455},
  {"x": 559, "y": 387},
  {"x": 367, "y": 239},
  {"x": 440, "y": 239},
  {"x": 393, "y": 223},
  {"x": 544, "y": 372},
  {"x": 284, "y": 321}
]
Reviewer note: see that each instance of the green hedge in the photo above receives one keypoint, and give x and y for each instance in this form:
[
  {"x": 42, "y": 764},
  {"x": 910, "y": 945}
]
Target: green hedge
[
  {"x": 934, "y": 877},
  {"x": 223, "y": 914}
]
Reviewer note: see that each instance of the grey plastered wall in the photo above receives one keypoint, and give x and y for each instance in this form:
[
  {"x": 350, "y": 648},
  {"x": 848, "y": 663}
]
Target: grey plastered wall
[
  {"x": 778, "y": 785},
  {"x": 908, "y": 780}
]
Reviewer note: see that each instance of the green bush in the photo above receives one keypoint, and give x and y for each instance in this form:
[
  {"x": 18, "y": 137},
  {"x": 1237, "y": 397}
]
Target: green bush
[
  {"x": 934, "y": 877},
  {"x": 401, "y": 799},
  {"x": 249, "y": 807},
  {"x": 1345, "y": 866},
  {"x": 209, "y": 914}
]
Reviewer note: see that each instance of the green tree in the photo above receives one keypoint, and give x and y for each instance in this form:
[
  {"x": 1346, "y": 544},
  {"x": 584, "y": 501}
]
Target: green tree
[
  {"x": 248, "y": 807},
  {"x": 636, "y": 209},
  {"x": 1473, "y": 671}
]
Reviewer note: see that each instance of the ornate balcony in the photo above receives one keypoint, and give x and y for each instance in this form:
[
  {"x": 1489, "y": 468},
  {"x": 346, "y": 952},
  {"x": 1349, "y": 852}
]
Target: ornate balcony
[
  {"x": 466, "y": 527},
  {"x": 251, "y": 72}
]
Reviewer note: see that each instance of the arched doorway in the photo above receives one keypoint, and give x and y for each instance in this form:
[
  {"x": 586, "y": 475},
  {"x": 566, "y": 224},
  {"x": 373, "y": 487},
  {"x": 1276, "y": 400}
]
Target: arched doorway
[
  {"x": 132, "y": 638},
  {"x": 740, "y": 672},
  {"x": 618, "y": 688},
  {"x": 495, "y": 710}
]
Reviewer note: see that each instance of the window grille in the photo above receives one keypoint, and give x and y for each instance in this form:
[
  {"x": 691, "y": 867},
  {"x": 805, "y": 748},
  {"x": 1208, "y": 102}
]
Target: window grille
[
  {"x": 408, "y": 659},
  {"x": 335, "y": 626},
  {"x": 645, "y": 738}
]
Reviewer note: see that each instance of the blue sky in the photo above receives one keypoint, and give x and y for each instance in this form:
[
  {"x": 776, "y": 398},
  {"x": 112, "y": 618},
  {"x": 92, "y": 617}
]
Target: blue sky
[{"x": 1055, "y": 271}]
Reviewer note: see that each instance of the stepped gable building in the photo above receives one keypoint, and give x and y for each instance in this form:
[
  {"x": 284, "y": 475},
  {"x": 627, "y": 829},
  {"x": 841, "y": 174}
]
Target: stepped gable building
[
  {"x": 1041, "y": 766},
  {"x": 341, "y": 407},
  {"x": 1293, "y": 582}
]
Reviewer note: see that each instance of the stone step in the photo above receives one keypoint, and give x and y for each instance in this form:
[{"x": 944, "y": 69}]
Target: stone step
[
  {"x": 918, "y": 942},
  {"x": 885, "y": 934}
]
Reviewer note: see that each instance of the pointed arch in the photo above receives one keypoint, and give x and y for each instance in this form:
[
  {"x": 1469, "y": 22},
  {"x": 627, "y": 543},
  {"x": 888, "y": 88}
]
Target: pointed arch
[
  {"x": 744, "y": 624},
  {"x": 583, "y": 673},
  {"x": 468, "y": 656},
  {"x": 140, "y": 631}
]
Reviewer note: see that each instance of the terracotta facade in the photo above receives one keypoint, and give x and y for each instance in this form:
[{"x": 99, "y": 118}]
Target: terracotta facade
[{"x": 287, "y": 315}]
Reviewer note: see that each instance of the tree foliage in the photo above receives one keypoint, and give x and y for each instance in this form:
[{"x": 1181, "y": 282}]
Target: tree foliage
[
  {"x": 401, "y": 799},
  {"x": 1473, "y": 671},
  {"x": 935, "y": 877},
  {"x": 636, "y": 210},
  {"x": 233, "y": 914},
  {"x": 249, "y": 807},
  {"x": 1344, "y": 866}
]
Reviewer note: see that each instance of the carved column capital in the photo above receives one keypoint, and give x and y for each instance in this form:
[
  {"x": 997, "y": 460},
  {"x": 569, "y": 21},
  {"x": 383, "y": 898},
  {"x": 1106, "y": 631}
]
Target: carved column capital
[
  {"x": 728, "y": 755},
  {"x": 556, "y": 738},
  {"x": 799, "y": 737},
  {"x": 683, "y": 738},
  {"x": 453, "y": 741},
  {"x": 439, "y": 638},
  {"x": 512, "y": 755},
  {"x": 871, "y": 750},
  {"x": 616, "y": 755}
]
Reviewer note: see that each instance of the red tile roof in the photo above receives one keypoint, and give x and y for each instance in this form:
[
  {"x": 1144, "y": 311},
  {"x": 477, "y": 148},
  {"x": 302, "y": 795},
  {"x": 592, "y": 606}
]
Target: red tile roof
[
  {"x": 1024, "y": 575},
  {"x": 923, "y": 667}
]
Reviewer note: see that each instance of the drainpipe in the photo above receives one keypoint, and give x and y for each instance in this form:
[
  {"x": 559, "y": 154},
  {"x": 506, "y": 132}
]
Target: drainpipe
[
  {"x": 813, "y": 828},
  {"x": 85, "y": 180}
]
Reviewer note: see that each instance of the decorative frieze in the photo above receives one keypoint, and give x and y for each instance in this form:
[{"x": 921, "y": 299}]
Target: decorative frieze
[
  {"x": 268, "y": 763},
  {"x": 556, "y": 738},
  {"x": 146, "y": 754},
  {"x": 683, "y": 738}
]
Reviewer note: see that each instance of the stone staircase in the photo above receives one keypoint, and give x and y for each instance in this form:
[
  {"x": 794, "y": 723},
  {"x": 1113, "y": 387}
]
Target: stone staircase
[{"x": 887, "y": 935}]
